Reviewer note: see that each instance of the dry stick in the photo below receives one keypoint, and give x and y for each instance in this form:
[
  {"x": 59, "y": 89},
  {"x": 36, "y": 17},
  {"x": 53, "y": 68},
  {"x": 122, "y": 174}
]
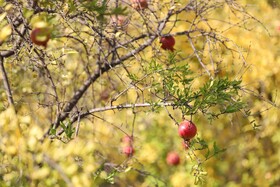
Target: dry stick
[{"x": 6, "y": 82}]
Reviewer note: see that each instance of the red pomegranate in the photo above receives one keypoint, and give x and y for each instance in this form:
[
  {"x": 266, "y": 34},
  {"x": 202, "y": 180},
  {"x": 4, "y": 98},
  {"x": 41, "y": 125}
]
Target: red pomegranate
[
  {"x": 173, "y": 158},
  {"x": 128, "y": 151},
  {"x": 40, "y": 36},
  {"x": 167, "y": 43},
  {"x": 187, "y": 130},
  {"x": 139, "y": 4}
]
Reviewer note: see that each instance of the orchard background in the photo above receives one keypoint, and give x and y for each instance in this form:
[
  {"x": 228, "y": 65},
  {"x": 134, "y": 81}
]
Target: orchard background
[{"x": 68, "y": 105}]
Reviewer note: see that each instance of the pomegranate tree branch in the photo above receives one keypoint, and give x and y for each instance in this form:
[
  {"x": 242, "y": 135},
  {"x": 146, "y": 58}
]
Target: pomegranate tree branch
[
  {"x": 81, "y": 115},
  {"x": 107, "y": 66},
  {"x": 7, "y": 53},
  {"x": 79, "y": 93},
  {"x": 119, "y": 107},
  {"x": 6, "y": 82}
]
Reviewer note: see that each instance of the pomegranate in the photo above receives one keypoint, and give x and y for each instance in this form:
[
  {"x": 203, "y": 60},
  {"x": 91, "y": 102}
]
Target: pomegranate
[
  {"x": 167, "y": 43},
  {"x": 40, "y": 36},
  {"x": 173, "y": 158},
  {"x": 139, "y": 4},
  {"x": 128, "y": 151},
  {"x": 187, "y": 130}
]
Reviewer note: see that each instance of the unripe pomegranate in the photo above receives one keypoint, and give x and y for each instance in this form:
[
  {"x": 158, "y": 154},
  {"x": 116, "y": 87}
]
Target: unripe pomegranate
[
  {"x": 187, "y": 130},
  {"x": 139, "y": 4},
  {"x": 40, "y": 36},
  {"x": 173, "y": 158},
  {"x": 167, "y": 43},
  {"x": 128, "y": 151}
]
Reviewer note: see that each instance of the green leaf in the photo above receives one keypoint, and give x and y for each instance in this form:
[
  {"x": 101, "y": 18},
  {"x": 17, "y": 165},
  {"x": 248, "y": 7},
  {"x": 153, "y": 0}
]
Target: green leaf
[{"x": 53, "y": 131}]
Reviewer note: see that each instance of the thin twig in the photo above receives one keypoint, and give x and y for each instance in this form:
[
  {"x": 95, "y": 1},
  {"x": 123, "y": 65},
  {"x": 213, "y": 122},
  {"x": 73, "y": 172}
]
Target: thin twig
[
  {"x": 118, "y": 107},
  {"x": 78, "y": 126},
  {"x": 198, "y": 57},
  {"x": 6, "y": 82}
]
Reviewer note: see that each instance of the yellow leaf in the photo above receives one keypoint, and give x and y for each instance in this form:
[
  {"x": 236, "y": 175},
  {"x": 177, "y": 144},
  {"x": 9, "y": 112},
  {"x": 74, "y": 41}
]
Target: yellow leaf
[
  {"x": 5, "y": 33},
  {"x": 11, "y": 150},
  {"x": 118, "y": 34},
  {"x": 40, "y": 173},
  {"x": 71, "y": 52},
  {"x": 2, "y": 16},
  {"x": 8, "y": 7},
  {"x": 71, "y": 169},
  {"x": 10, "y": 176}
]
